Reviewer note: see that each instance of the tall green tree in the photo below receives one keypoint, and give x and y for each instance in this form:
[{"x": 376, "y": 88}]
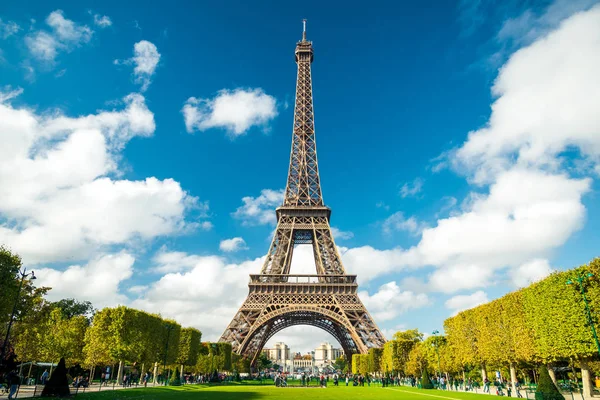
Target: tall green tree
[{"x": 189, "y": 347}]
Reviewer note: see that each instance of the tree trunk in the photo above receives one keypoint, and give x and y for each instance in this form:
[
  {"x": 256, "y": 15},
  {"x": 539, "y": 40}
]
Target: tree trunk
[
  {"x": 29, "y": 373},
  {"x": 181, "y": 373},
  {"x": 154, "y": 373},
  {"x": 92, "y": 373},
  {"x": 483, "y": 373},
  {"x": 513, "y": 377},
  {"x": 586, "y": 379},
  {"x": 120, "y": 373},
  {"x": 552, "y": 374}
]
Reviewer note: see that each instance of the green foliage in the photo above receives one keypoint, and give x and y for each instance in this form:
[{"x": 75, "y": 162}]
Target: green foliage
[
  {"x": 263, "y": 362},
  {"x": 71, "y": 308},
  {"x": 546, "y": 390},
  {"x": 341, "y": 363},
  {"x": 396, "y": 355},
  {"x": 411, "y": 335},
  {"x": 425, "y": 381},
  {"x": 240, "y": 364},
  {"x": 360, "y": 364},
  {"x": 125, "y": 334},
  {"x": 417, "y": 360},
  {"x": 189, "y": 346},
  {"x": 542, "y": 323},
  {"x": 355, "y": 363},
  {"x": 214, "y": 356},
  {"x": 374, "y": 360},
  {"x": 30, "y": 297}
]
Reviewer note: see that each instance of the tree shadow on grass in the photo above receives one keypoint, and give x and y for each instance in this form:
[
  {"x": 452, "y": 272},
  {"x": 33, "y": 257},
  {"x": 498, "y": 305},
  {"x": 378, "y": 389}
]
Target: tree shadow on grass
[{"x": 179, "y": 393}]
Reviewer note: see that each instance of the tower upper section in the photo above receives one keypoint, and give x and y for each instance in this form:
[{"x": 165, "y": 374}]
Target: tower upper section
[{"x": 303, "y": 185}]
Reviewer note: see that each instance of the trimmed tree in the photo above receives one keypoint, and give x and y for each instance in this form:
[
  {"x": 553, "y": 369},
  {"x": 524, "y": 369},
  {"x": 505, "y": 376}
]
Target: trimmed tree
[
  {"x": 58, "y": 384},
  {"x": 546, "y": 390},
  {"x": 425, "y": 381}
]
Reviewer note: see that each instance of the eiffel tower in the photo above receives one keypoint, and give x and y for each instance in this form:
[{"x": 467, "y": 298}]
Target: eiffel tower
[{"x": 277, "y": 299}]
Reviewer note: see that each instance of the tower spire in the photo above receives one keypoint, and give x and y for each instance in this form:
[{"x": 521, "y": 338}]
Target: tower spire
[{"x": 304, "y": 30}]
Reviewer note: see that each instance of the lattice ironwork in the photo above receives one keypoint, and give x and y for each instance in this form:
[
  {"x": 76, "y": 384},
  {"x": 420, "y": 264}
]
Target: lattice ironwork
[{"x": 327, "y": 300}]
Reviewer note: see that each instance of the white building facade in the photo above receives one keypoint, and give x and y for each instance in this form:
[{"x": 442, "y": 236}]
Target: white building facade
[{"x": 325, "y": 355}]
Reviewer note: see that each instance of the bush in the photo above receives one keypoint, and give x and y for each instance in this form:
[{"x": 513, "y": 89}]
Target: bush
[
  {"x": 425, "y": 381},
  {"x": 546, "y": 389},
  {"x": 58, "y": 384}
]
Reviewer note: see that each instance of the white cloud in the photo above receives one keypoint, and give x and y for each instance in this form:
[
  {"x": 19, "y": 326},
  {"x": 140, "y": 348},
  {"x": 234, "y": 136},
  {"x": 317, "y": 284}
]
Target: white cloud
[
  {"x": 369, "y": 263},
  {"x": 65, "y": 35},
  {"x": 57, "y": 201},
  {"x": 98, "y": 281},
  {"x": 8, "y": 28},
  {"x": 102, "y": 21},
  {"x": 397, "y": 222},
  {"x": 389, "y": 301},
  {"x": 530, "y": 272},
  {"x": 530, "y": 25},
  {"x": 233, "y": 244},
  {"x": 341, "y": 235},
  {"x": 533, "y": 205},
  {"x": 260, "y": 210},
  {"x": 465, "y": 302},
  {"x": 9, "y": 93},
  {"x": 211, "y": 287},
  {"x": 145, "y": 60},
  {"x": 234, "y": 110},
  {"x": 531, "y": 123},
  {"x": 137, "y": 289},
  {"x": 411, "y": 189}
]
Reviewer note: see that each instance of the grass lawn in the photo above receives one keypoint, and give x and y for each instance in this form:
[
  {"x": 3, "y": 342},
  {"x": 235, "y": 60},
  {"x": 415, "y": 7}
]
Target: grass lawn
[{"x": 235, "y": 392}]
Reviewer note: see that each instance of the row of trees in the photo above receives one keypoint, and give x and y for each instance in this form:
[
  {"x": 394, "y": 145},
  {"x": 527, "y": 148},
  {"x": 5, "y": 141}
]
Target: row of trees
[
  {"x": 547, "y": 323},
  {"x": 48, "y": 331}
]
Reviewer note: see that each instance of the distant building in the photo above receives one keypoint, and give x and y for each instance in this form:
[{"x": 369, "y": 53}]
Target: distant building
[
  {"x": 303, "y": 363},
  {"x": 279, "y": 354},
  {"x": 325, "y": 355}
]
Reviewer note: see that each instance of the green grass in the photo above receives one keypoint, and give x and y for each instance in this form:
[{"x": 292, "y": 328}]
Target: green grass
[{"x": 247, "y": 392}]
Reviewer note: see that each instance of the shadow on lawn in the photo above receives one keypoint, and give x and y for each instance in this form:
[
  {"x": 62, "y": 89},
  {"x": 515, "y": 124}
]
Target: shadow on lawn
[{"x": 181, "y": 393}]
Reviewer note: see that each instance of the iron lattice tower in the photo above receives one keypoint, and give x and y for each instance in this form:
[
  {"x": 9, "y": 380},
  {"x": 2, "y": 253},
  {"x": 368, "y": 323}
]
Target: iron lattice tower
[{"x": 327, "y": 300}]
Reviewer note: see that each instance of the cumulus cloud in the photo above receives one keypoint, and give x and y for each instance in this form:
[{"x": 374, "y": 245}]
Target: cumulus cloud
[
  {"x": 64, "y": 35},
  {"x": 398, "y": 222},
  {"x": 530, "y": 272},
  {"x": 389, "y": 301},
  {"x": 57, "y": 198},
  {"x": 145, "y": 60},
  {"x": 102, "y": 21},
  {"x": 465, "y": 302},
  {"x": 525, "y": 203},
  {"x": 8, "y": 28},
  {"x": 97, "y": 281},
  {"x": 232, "y": 245},
  {"x": 260, "y": 210},
  {"x": 341, "y": 235},
  {"x": 209, "y": 286},
  {"x": 411, "y": 189},
  {"x": 531, "y": 123},
  {"x": 233, "y": 110}
]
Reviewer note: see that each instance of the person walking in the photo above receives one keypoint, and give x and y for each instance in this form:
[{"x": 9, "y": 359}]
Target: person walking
[
  {"x": 347, "y": 379},
  {"x": 13, "y": 381},
  {"x": 44, "y": 377}
]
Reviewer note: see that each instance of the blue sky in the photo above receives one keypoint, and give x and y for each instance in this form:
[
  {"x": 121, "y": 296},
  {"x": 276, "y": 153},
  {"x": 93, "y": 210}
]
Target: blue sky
[{"x": 439, "y": 203}]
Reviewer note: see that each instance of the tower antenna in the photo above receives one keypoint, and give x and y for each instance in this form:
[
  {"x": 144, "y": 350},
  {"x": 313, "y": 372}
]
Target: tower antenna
[{"x": 304, "y": 30}]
